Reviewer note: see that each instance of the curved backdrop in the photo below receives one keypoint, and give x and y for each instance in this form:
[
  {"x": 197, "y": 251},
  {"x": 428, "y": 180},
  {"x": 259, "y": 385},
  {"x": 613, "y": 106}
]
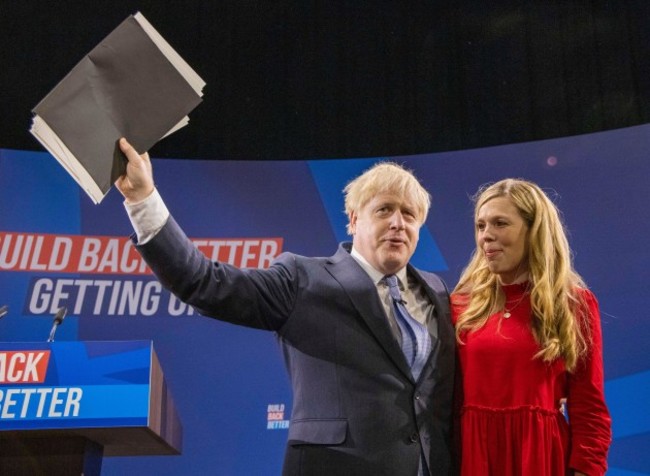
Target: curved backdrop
[{"x": 229, "y": 385}]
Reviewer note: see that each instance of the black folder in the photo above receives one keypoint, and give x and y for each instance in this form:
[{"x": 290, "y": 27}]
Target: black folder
[{"x": 134, "y": 85}]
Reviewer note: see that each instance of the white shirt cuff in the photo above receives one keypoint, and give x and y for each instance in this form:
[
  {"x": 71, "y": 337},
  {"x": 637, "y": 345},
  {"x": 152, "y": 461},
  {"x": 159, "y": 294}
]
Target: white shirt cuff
[{"x": 147, "y": 216}]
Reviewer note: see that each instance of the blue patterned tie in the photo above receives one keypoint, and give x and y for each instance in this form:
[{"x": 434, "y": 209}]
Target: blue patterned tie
[{"x": 416, "y": 341}]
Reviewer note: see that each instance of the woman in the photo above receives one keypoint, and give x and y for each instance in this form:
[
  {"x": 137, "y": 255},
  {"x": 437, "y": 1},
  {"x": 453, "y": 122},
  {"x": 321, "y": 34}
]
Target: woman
[{"x": 529, "y": 340}]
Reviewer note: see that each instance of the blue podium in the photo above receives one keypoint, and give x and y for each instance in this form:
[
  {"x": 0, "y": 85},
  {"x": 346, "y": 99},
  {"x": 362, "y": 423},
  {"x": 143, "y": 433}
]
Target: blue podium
[{"x": 66, "y": 405}]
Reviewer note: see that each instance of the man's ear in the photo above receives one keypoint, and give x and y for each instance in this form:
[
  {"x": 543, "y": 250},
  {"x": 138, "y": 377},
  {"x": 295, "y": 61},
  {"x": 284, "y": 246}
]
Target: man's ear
[{"x": 352, "y": 227}]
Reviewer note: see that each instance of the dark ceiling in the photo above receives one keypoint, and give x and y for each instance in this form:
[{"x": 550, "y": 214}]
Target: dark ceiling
[{"x": 324, "y": 79}]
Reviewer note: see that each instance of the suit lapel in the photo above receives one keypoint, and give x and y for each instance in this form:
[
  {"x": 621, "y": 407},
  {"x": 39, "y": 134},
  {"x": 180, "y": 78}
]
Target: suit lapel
[
  {"x": 441, "y": 326},
  {"x": 362, "y": 292}
]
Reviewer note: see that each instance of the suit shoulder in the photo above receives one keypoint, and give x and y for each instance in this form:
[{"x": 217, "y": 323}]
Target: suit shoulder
[
  {"x": 434, "y": 281},
  {"x": 288, "y": 258}
]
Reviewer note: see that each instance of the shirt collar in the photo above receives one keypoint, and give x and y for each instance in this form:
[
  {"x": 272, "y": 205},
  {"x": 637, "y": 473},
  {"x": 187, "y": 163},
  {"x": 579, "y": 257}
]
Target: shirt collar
[{"x": 375, "y": 275}]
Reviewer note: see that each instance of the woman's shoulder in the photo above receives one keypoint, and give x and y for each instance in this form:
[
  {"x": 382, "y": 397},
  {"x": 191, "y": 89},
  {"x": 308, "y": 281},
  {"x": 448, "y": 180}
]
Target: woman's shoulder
[
  {"x": 585, "y": 297},
  {"x": 587, "y": 310},
  {"x": 459, "y": 302},
  {"x": 459, "y": 298}
]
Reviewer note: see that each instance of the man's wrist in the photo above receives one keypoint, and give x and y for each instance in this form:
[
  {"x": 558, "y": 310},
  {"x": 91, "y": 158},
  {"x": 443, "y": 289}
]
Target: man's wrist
[{"x": 147, "y": 216}]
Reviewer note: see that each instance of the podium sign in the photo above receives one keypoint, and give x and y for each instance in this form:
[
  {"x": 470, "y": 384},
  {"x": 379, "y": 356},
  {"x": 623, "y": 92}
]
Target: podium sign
[{"x": 112, "y": 394}]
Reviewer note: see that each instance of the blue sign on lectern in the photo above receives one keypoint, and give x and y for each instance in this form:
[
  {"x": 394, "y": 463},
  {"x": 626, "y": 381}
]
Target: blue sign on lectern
[{"x": 85, "y": 385}]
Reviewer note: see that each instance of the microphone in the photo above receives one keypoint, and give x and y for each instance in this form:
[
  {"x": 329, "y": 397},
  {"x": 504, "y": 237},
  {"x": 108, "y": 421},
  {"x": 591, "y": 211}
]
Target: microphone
[
  {"x": 4, "y": 310},
  {"x": 58, "y": 319}
]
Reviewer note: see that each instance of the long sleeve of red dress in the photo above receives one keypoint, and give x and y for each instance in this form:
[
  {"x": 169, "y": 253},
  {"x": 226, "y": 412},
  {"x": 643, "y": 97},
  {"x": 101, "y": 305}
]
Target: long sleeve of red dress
[{"x": 589, "y": 419}]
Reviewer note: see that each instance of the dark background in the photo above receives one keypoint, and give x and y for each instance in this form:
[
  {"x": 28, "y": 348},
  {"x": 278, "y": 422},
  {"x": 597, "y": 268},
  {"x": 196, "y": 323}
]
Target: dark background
[{"x": 312, "y": 79}]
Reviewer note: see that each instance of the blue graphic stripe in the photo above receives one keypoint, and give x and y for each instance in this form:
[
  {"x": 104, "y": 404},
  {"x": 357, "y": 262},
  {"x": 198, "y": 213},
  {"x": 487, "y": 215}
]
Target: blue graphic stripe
[
  {"x": 623, "y": 472},
  {"x": 623, "y": 394}
]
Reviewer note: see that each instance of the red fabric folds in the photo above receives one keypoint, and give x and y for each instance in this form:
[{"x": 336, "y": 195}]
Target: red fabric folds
[{"x": 509, "y": 414}]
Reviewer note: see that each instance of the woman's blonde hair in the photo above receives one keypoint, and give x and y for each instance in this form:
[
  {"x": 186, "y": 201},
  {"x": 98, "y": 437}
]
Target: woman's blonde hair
[
  {"x": 386, "y": 177},
  {"x": 558, "y": 323}
]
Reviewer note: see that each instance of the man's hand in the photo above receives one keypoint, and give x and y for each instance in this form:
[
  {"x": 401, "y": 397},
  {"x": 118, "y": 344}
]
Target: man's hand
[{"x": 137, "y": 183}]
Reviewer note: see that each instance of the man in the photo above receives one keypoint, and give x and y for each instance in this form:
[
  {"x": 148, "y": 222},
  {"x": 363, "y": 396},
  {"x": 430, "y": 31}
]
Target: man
[{"x": 372, "y": 382}]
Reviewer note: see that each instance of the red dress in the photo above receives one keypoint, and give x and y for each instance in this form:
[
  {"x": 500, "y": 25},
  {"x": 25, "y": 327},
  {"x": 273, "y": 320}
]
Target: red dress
[{"x": 510, "y": 421}]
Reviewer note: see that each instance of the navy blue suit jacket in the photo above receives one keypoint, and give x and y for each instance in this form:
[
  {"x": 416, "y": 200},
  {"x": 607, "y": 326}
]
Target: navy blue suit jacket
[{"x": 356, "y": 407}]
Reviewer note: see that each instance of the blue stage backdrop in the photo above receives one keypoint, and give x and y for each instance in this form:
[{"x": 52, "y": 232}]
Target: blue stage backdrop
[{"x": 229, "y": 384}]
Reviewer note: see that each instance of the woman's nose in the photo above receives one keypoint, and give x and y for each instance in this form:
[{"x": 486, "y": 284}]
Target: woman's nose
[{"x": 486, "y": 234}]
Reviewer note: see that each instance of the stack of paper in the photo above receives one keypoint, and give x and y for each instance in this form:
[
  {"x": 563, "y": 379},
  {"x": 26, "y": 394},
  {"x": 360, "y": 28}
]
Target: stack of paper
[{"x": 134, "y": 85}]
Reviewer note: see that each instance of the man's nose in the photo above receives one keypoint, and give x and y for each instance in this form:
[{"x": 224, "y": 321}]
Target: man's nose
[{"x": 397, "y": 221}]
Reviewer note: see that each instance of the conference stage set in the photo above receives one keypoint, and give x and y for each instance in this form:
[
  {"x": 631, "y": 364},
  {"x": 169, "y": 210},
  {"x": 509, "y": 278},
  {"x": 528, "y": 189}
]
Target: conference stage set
[{"x": 223, "y": 397}]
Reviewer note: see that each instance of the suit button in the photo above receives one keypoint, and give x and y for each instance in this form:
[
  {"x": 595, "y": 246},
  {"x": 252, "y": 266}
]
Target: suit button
[
  {"x": 414, "y": 438},
  {"x": 417, "y": 395}
]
